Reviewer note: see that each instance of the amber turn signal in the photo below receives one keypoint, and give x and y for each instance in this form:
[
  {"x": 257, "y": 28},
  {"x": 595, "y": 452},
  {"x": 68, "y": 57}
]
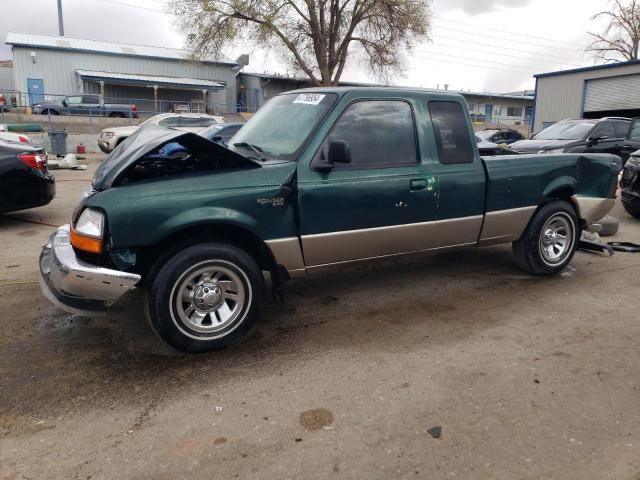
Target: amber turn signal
[{"x": 87, "y": 244}]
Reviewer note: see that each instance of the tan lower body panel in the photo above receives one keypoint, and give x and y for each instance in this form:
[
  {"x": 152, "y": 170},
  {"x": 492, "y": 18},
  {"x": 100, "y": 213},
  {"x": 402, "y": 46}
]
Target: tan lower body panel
[
  {"x": 354, "y": 245},
  {"x": 287, "y": 253},
  {"x": 505, "y": 226},
  {"x": 591, "y": 209}
]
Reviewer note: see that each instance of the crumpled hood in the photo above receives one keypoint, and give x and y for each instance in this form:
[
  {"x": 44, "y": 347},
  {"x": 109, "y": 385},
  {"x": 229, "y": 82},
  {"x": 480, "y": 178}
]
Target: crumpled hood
[
  {"x": 534, "y": 146},
  {"x": 144, "y": 141}
]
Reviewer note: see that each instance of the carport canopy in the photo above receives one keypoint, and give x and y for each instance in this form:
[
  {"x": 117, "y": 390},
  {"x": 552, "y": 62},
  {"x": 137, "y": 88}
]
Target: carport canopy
[{"x": 150, "y": 80}]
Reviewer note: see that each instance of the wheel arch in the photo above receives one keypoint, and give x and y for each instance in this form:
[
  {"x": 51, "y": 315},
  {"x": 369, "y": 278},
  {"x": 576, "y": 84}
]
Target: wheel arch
[{"x": 228, "y": 233}]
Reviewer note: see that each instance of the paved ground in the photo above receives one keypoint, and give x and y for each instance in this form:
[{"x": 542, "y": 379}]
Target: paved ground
[{"x": 528, "y": 378}]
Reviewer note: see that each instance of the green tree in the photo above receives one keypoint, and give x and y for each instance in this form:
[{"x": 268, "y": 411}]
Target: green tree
[
  {"x": 621, "y": 37},
  {"x": 316, "y": 37}
]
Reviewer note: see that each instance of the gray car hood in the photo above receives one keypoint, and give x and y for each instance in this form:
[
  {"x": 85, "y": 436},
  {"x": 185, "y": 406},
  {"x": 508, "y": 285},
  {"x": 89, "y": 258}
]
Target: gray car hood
[
  {"x": 146, "y": 140},
  {"x": 534, "y": 146}
]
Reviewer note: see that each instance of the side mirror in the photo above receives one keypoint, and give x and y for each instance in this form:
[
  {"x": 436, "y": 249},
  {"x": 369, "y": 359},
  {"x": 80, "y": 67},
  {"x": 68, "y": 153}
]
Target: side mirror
[
  {"x": 598, "y": 139},
  {"x": 337, "y": 152},
  {"x": 64, "y": 102},
  {"x": 217, "y": 139}
]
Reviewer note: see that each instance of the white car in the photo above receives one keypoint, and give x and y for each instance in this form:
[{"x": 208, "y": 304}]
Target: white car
[
  {"x": 13, "y": 137},
  {"x": 110, "y": 138}
]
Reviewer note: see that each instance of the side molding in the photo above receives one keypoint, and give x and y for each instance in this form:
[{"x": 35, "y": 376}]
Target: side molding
[{"x": 505, "y": 226}]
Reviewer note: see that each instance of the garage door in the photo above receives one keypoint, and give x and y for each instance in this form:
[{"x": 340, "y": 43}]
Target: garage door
[{"x": 617, "y": 93}]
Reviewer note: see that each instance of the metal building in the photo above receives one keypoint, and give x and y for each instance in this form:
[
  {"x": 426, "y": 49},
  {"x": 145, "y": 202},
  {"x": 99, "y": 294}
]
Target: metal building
[
  {"x": 511, "y": 109},
  {"x": 154, "y": 78},
  {"x": 592, "y": 92}
]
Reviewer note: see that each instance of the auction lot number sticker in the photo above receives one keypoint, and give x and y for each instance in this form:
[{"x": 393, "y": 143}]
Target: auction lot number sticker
[{"x": 309, "y": 98}]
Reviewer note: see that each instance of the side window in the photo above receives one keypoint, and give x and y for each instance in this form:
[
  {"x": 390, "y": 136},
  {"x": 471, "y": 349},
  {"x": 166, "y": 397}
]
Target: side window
[
  {"x": 380, "y": 133},
  {"x": 605, "y": 129},
  {"x": 452, "y": 135},
  {"x": 621, "y": 129},
  {"x": 90, "y": 99},
  {"x": 169, "y": 122},
  {"x": 634, "y": 133},
  {"x": 74, "y": 100}
]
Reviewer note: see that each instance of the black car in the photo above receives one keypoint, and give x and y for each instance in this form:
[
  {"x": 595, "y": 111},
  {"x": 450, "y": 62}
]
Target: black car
[
  {"x": 632, "y": 141},
  {"x": 630, "y": 184},
  {"x": 577, "y": 136},
  {"x": 24, "y": 179},
  {"x": 500, "y": 136},
  {"x": 488, "y": 149}
]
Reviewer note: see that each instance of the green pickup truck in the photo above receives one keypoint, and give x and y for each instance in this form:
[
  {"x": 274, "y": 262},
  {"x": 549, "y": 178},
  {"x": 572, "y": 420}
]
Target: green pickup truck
[{"x": 317, "y": 180}]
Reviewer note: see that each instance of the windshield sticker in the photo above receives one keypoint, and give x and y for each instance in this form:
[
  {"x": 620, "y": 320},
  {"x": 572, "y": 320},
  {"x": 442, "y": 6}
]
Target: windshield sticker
[{"x": 309, "y": 98}]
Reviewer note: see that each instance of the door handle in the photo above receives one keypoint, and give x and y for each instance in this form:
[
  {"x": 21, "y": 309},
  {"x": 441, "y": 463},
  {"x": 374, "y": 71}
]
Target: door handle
[{"x": 418, "y": 184}]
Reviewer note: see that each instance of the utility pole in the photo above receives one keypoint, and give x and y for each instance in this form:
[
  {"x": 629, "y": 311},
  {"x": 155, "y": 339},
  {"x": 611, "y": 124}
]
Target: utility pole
[{"x": 60, "y": 21}]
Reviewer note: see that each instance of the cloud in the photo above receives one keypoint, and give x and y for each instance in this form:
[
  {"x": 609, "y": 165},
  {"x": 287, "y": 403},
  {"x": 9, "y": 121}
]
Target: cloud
[{"x": 478, "y": 7}]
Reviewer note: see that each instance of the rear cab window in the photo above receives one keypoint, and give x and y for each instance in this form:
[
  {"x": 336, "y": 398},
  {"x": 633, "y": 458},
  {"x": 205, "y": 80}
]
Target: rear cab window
[{"x": 453, "y": 140}]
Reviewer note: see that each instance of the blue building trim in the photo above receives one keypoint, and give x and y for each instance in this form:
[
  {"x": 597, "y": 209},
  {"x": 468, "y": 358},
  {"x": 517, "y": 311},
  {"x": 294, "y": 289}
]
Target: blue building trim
[{"x": 587, "y": 69}]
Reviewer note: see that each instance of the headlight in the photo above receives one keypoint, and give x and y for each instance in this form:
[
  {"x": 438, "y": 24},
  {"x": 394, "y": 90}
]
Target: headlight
[
  {"x": 553, "y": 150},
  {"x": 87, "y": 233},
  {"x": 107, "y": 134}
]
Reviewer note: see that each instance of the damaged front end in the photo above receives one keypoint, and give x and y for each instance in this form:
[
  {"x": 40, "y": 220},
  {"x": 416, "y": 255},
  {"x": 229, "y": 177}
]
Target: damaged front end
[{"x": 153, "y": 153}]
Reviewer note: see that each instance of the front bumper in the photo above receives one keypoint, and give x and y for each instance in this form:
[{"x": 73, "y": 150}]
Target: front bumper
[{"x": 76, "y": 286}]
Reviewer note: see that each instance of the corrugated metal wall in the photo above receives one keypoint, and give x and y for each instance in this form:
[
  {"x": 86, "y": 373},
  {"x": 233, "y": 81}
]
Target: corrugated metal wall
[
  {"x": 57, "y": 69},
  {"x": 562, "y": 96},
  {"x": 6, "y": 79}
]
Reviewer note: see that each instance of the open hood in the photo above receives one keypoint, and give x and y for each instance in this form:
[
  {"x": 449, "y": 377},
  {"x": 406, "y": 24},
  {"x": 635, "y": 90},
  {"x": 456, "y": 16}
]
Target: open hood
[{"x": 148, "y": 140}]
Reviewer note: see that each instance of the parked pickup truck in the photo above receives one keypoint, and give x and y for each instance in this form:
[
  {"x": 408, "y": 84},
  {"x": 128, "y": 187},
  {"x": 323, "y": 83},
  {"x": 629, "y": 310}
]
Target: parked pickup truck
[
  {"x": 317, "y": 180},
  {"x": 85, "y": 105}
]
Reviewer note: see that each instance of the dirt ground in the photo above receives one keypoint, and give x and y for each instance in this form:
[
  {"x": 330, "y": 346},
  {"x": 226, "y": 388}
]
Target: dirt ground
[{"x": 526, "y": 378}]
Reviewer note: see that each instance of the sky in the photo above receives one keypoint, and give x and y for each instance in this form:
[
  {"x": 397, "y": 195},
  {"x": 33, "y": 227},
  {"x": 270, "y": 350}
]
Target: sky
[{"x": 477, "y": 45}]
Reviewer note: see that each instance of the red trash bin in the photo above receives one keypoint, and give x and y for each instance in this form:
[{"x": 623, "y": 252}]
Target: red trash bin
[{"x": 81, "y": 149}]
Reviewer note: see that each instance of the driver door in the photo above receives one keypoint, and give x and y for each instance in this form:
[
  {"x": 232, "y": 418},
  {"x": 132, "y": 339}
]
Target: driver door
[{"x": 382, "y": 203}]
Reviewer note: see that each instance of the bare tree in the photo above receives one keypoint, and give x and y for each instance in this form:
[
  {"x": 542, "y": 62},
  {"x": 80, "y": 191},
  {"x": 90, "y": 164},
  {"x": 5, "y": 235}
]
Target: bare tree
[
  {"x": 315, "y": 36},
  {"x": 621, "y": 37}
]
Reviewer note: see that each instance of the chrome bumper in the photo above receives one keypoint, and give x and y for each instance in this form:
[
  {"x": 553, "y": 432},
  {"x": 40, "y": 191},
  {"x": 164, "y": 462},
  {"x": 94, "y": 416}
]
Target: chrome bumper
[{"x": 76, "y": 286}]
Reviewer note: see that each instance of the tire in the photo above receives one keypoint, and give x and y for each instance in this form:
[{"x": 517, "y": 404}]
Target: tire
[
  {"x": 194, "y": 313},
  {"x": 52, "y": 112},
  {"x": 117, "y": 115},
  {"x": 541, "y": 249},
  {"x": 610, "y": 225},
  {"x": 632, "y": 208}
]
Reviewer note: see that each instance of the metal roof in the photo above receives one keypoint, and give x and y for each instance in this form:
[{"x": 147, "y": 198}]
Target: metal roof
[
  {"x": 588, "y": 69},
  {"x": 154, "y": 79},
  {"x": 512, "y": 96},
  {"x": 94, "y": 46}
]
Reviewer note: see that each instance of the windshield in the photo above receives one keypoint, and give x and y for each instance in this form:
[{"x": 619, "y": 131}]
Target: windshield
[
  {"x": 486, "y": 134},
  {"x": 211, "y": 131},
  {"x": 282, "y": 126},
  {"x": 565, "y": 131}
]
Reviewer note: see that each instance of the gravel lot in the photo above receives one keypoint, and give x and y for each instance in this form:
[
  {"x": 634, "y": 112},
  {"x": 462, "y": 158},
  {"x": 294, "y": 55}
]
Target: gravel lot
[{"x": 528, "y": 378}]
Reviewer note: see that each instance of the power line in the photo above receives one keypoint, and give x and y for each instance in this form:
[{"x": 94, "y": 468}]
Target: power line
[
  {"x": 492, "y": 45},
  {"x": 520, "y": 57},
  {"x": 509, "y": 39},
  {"x": 508, "y": 32},
  {"x": 115, "y": 2},
  {"x": 483, "y": 67}
]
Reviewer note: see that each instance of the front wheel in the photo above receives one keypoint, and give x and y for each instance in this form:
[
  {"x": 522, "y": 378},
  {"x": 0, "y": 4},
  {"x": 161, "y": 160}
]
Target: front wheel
[
  {"x": 549, "y": 241},
  {"x": 205, "y": 297}
]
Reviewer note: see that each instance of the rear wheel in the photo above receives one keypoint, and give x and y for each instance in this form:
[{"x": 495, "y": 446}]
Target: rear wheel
[
  {"x": 116, "y": 115},
  {"x": 549, "y": 241},
  {"x": 205, "y": 297},
  {"x": 52, "y": 112}
]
